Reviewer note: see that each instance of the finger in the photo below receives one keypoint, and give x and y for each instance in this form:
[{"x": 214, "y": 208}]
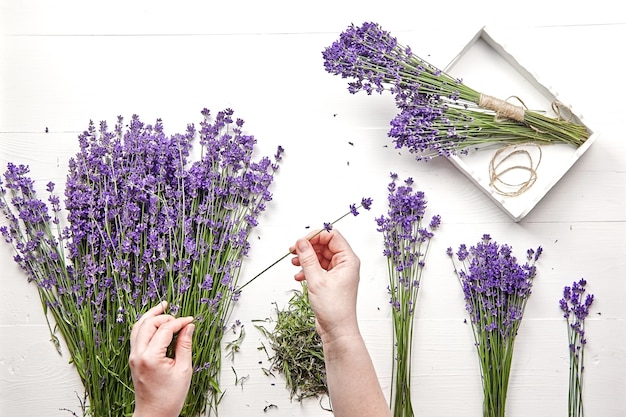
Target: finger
[
  {"x": 307, "y": 259},
  {"x": 184, "y": 344},
  {"x": 313, "y": 237},
  {"x": 147, "y": 329},
  {"x": 334, "y": 240},
  {"x": 166, "y": 331},
  {"x": 154, "y": 311},
  {"x": 323, "y": 237}
]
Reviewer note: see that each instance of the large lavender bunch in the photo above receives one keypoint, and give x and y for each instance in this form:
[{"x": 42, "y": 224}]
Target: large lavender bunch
[
  {"x": 439, "y": 115},
  {"x": 496, "y": 288},
  {"x": 406, "y": 243},
  {"x": 145, "y": 223},
  {"x": 575, "y": 309}
]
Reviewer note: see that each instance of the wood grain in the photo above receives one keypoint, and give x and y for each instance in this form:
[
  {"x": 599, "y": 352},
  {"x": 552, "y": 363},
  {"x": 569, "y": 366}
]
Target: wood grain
[{"x": 64, "y": 64}]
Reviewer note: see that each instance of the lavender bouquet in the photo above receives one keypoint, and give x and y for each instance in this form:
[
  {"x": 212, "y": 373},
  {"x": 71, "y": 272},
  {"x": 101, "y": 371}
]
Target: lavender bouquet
[
  {"x": 496, "y": 288},
  {"x": 438, "y": 114},
  {"x": 144, "y": 223},
  {"x": 406, "y": 243},
  {"x": 575, "y": 311}
]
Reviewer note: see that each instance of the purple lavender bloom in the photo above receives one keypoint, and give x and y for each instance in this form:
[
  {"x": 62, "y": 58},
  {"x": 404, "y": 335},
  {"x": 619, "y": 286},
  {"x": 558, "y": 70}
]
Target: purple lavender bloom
[
  {"x": 428, "y": 129},
  {"x": 370, "y": 56},
  {"x": 435, "y": 222},
  {"x": 492, "y": 271},
  {"x": 576, "y": 309}
]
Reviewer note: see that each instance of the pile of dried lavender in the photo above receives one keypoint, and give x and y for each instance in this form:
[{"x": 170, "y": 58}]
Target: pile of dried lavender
[{"x": 297, "y": 347}]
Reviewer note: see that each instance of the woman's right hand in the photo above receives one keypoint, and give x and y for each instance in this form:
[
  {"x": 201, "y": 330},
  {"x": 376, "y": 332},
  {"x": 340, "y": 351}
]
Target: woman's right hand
[{"x": 331, "y": 270}]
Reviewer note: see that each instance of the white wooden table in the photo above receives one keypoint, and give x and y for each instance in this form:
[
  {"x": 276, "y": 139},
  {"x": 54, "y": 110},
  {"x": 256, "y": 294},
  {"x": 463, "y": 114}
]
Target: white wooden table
[{"x": 65, "y": 63}]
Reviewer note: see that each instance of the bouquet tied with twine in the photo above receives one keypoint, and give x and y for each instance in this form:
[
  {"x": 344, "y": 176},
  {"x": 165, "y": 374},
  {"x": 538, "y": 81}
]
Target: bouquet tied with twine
[{"x": 438, "y": 114}]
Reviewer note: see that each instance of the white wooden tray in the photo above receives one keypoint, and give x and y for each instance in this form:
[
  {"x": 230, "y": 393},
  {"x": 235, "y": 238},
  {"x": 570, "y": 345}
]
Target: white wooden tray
[{"x": 485, "y": 65}]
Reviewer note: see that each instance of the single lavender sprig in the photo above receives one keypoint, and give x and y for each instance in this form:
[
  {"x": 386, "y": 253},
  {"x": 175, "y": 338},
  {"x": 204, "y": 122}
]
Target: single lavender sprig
[
  {"x": 439, "y": 114},
  {"x": 366, "y": 203},
  {"x": 575, "y": 308},
  {"x": 406, "y": 244},
  {"x": 496, "y": 289}
]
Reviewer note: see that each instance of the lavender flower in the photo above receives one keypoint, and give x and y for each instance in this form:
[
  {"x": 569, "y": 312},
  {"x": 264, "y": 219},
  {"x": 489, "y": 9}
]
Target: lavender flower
[
  {"x": 145, "y": 224},
  {"x": 439, "y": 115},
  {"x": 575, "y": 307},
  {"x": 496, "y": 288},
  {"x": 406, "y": 243},
  {"x": 366, "y": 203}
]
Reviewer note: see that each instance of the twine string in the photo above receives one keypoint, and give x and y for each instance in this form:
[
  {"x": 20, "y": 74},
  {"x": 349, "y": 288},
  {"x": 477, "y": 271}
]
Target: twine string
[
  {"x": 563, "y": 112},
  {"x": 497, "y": 171},
  {"x": 503, "y": 108}
]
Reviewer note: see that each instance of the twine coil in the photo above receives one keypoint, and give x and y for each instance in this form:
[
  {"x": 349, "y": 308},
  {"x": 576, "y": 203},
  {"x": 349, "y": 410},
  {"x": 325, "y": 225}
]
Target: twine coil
[{"x": 497, "y": 170}]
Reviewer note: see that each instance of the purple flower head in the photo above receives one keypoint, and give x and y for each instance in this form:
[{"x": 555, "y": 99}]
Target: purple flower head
[
  {"x": 575, "y": 305},
  {"x": 533, "y": 255},
  {"x": 418, "y": 127},
  {"x": 374, "y": 60},
  {"x": 29, "y": 225},
  {"x": 435, "y": 222},
  {"x": 405, "y": 239},
  {"x": 495, "y": 286},
  {"x": 462, "y": 253},
  {"x": 366, "y": 203},
  {"x": 278, "y": 156}
]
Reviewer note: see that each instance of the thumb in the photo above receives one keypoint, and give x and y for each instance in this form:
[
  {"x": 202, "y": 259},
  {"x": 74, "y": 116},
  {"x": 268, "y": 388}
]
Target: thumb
[
  {"x": 184, "y": 344},
  {"x": 308, "y": 258}
]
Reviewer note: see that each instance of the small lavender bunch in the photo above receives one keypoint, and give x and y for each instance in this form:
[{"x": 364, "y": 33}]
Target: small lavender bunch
[
  {"x": 439, "y": 115},
  {"x": 406, "y": 242},
  {"x": 496, "y": 289},
  {"x": 145, "y": 223},
  {"x": 575, "y": 311}
]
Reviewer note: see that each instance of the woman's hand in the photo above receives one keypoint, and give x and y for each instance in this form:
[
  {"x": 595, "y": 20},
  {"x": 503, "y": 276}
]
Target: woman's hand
[{"x": 161, "y": 383}]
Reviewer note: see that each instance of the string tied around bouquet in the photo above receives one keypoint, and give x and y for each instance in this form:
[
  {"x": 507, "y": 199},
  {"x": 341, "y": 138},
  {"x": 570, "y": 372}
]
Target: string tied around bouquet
[
  {"x": 498, "y": 168},
  {"x": 503, "y": 108},
  {"x": 563, "y": 112}
]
